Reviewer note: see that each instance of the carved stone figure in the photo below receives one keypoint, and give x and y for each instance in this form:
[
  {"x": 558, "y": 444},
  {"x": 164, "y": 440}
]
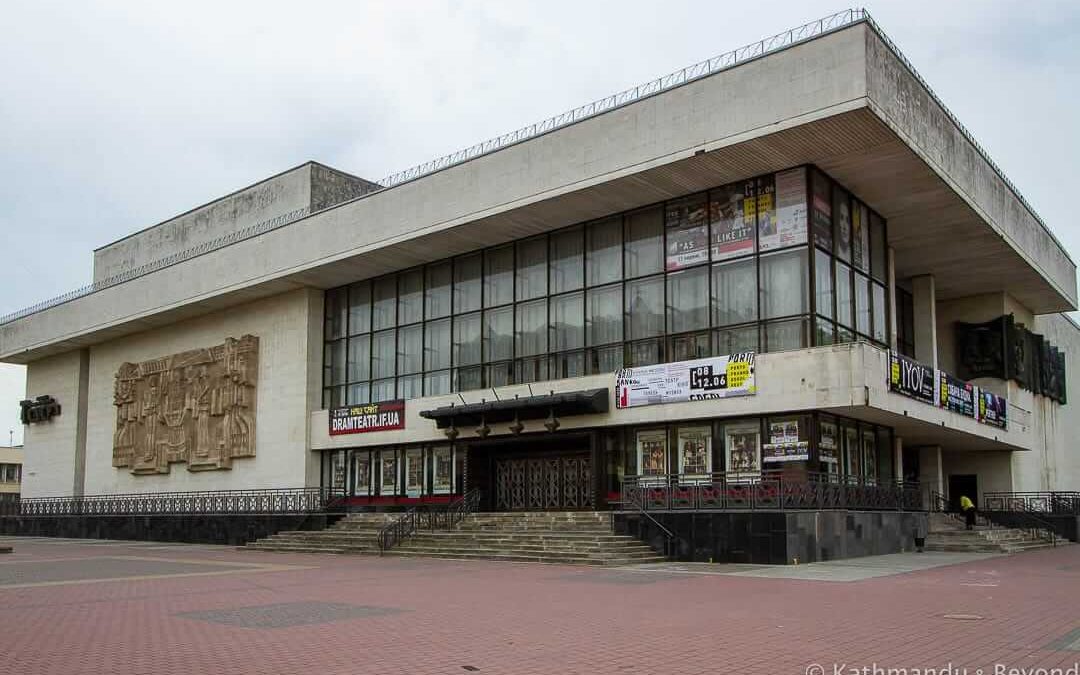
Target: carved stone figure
[{"x": 196, "y": 407}]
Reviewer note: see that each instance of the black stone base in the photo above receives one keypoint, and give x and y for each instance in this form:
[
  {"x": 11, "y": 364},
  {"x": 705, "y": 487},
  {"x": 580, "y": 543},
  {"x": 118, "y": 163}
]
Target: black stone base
[
  {"x": 776, "y": 537},
  {"x": 1065, "y": 525},
  {"x": 192, "y": 529}
]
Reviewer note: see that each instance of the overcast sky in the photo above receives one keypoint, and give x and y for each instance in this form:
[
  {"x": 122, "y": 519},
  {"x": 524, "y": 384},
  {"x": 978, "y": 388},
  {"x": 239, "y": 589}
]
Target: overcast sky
[{"x": 118, "y": 115}]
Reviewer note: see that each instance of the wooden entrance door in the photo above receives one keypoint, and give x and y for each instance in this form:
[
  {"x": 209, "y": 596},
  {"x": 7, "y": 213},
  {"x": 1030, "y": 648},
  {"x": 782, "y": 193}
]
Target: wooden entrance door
[{"x": 544, "y": 483}]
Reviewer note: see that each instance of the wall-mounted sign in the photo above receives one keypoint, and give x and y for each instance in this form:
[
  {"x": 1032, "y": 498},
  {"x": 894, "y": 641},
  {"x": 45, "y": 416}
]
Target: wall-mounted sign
[
  {"x": 357, "y": 419},
  {"x": 698, "y": 380},
  {"x": 993, "y": 409},
  {"x": 911, "y": 378},
  {"x": 40, "y": 409},
  {"x": 956, "y": 395},
  {"x": 940, "y": 389},
  {"x": 785, "y": 452}
]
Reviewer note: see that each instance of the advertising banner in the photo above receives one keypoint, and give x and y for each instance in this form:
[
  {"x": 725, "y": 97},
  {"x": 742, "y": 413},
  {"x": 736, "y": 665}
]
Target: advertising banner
[
  {"x": 687, "y": 246},
  {"x": 698, "y": 380},
  {"x": 732, "y": 213},
  {"x": 956, "y": 395},
  {"x": 993, "y": 409},
  {"x": 911, "y": 378},
  {"x": 789, "y": 226},
  {"x": 357, "y": 419}
]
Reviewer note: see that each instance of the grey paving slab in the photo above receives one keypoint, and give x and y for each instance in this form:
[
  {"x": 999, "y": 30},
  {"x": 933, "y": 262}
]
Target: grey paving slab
[
  {"x": 852, "y": 569},
  {"x": 102, "y": 568},
  {"x": 288, "y": 614}
]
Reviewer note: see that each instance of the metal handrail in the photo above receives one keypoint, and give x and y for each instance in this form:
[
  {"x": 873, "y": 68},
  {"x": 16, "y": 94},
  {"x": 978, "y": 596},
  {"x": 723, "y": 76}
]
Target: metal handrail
[
  {"x": 1034, "y": 524},
  {"x": 406, "y": 525},
  {"x": 770, "y": 490},
  {"x": 1053, "y": 501},
  {"x": 669, "y": 536}
]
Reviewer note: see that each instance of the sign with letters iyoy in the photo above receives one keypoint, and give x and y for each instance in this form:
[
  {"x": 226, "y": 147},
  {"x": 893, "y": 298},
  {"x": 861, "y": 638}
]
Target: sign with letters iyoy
[{"x": 911, "y": 378}]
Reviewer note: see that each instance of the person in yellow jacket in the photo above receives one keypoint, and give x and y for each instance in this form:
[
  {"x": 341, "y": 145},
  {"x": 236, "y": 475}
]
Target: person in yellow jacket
[{"x": 968, "y": 508}]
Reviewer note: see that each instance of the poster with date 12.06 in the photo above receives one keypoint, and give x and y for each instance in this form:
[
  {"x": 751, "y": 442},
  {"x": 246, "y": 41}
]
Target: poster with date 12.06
[{"x": 681, "y": 381}]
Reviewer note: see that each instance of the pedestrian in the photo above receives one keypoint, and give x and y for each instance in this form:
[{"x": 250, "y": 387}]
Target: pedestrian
[{"x": 968, "y": 508}]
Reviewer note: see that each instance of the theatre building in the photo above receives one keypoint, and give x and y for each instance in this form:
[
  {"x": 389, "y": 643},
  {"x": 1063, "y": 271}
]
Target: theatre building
[{"x": 789, "y": 265}]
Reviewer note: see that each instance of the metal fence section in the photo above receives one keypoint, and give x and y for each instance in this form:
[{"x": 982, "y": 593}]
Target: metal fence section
[
  {"x": 286, "y": 500},
  {"x": 1065, "y": 503},
  {"x": 767, "y": 491}
]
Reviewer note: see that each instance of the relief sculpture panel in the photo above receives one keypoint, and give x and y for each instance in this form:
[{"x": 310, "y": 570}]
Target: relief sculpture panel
[{"x": 196, "y": 407}]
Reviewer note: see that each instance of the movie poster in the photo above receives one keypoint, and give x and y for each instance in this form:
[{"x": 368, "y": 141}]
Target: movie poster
[
  {"x": 860, "y": 236},
  {"x": 687, "y": 233},
  {"x": 732, "y": 210},
  {"x": 869, "y": 455},
  {"x": 695, "y": 450},
  {"x": 821, "y": 211},
  {"x": 443, "y": 474},
  {"x": 652, "y": 452},
  {"x": 388, "y": 475},
  {"x": 362, "y": 470},
  {"x": 766, "y": 210},
  {"x": 414, "y": 473},
  {"x": 827, "y": 445},
  {"x": 789, "y": 223},
  {"x": 743, "y": 452},
  {"x": 842, "y": 211}
]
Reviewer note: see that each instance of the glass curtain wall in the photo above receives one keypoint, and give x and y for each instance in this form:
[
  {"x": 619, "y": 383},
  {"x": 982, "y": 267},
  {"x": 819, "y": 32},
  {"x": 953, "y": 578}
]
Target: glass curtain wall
[{"x": 778, "y": 262}]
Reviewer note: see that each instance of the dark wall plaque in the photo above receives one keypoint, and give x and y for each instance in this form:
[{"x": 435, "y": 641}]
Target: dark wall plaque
[{"x": 40, "y": 409}]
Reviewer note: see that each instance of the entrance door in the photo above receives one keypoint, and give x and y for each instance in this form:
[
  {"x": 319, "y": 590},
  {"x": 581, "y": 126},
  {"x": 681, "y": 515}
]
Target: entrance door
[
  {"x": 963, "y": 484},
  {"x": 543, "y": 483}
]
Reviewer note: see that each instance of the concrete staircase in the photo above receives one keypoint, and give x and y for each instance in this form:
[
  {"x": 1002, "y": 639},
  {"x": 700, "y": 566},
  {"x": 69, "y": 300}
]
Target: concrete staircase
[
  {"x": 355, "y": 533},
  {"x": 571, "y": 537},
  {"x": 948, "y": 534}
]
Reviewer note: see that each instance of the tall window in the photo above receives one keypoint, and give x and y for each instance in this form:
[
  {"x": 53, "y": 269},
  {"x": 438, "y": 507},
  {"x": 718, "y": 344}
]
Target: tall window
[{"x": 774, "y": 262}]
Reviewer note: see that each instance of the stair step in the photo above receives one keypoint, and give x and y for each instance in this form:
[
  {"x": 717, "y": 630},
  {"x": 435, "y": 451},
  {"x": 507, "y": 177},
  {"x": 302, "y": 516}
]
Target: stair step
[{"x": 513, "y": 557}]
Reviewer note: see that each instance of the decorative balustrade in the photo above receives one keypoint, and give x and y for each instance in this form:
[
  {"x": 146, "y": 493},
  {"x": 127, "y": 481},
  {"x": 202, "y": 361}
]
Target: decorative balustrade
[
  {"x": 274, "y": 501},
  {"x": 1064, "y": 503},
  {"x": 773, "y": 491}
]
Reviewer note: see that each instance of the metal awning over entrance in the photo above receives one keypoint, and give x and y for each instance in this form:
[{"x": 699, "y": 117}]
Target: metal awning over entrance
[{"x": 589, "y": 402}]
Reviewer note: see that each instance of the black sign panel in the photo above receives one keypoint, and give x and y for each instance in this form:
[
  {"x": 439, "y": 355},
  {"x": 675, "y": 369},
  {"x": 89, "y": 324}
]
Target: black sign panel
[
  {"x": 956, "y": 395},
  {"x": 981, "y": 348},
  {"x": 40, "y": 409},
  {"x": 911, "y": 378}
]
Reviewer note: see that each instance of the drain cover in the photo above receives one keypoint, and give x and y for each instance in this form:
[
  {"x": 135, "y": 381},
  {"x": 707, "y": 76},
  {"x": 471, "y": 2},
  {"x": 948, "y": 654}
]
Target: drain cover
[{"x": 963, "y": 617}]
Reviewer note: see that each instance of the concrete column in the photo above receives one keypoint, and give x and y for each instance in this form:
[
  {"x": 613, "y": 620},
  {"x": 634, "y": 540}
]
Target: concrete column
[
  {"x": 78, "y": 486},
  {"x": 925, "y": 308},
  {"x": 891, "y": 301},
  {"x": 898, "y": 458},
  {"x": 931, "y": 472}
]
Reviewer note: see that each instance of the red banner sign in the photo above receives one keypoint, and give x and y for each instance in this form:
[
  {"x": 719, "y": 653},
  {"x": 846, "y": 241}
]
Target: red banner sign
[{"x": 358, "y": 419}]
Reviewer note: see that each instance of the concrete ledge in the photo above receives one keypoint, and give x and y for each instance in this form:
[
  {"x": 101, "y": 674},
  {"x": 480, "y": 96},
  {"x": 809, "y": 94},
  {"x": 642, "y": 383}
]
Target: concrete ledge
[{"x": 230, "y": 529}]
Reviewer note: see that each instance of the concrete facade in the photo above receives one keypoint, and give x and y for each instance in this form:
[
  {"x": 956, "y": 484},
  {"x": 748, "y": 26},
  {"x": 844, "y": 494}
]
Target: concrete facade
[{"x": 844, "y": 101}]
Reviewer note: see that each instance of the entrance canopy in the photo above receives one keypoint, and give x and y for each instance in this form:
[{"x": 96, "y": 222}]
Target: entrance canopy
[{"x": 589, "y": 402}]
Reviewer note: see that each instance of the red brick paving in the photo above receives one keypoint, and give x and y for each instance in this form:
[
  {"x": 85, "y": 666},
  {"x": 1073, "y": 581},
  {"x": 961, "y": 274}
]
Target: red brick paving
[{"x": 505, "y": 618}]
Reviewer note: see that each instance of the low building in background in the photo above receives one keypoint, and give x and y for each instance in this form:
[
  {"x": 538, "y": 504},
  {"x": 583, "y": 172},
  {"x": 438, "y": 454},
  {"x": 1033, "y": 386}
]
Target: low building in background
[
  {"x": 787, "y": 263},
  {"x": 11, "y": 461}
]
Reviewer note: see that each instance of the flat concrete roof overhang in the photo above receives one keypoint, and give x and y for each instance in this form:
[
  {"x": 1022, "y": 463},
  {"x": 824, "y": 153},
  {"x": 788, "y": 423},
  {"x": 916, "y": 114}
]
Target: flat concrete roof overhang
[{"x": 959, "y": 222}]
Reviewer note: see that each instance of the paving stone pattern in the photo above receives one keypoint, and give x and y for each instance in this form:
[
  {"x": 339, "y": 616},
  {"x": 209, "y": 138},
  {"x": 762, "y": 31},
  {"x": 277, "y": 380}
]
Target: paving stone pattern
[{"x": 337, "y": 615}]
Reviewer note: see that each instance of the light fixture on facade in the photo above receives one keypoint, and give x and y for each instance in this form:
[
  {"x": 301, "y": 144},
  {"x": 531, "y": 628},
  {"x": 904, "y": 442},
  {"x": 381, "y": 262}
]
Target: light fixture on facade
[
  {"x": 483, "y": 430},
  {"x": 552, "y": 423},
  {"x": 516, "y": 427}
]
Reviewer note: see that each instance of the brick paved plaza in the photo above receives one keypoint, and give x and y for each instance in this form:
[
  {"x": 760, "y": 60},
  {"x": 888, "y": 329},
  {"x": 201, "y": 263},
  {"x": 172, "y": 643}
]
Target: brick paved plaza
[{"x": 114, "y": 607}]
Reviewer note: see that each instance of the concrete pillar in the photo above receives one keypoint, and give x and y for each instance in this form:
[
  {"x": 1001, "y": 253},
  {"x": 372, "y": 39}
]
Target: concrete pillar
[
  {"x": 925, "y": 308},
  {"x": 891, "y": 290},
  {"x": 78, "y": 486},
  {"x": 898, "y": 458},
  {"x": 931, "y": 473}
]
